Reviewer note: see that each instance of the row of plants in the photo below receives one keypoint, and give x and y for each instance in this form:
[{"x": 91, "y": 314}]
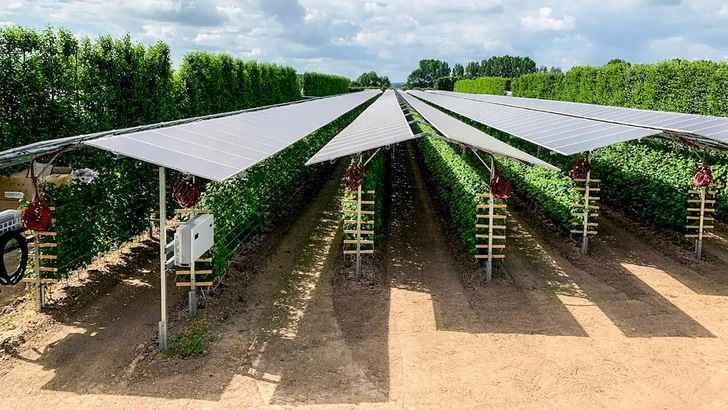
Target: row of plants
[
  {"x": 243, "y": 206},
  {"x": 320, "y": 85},
  {"x": 55, "y": 85},
  {"x": 483, "y": 85},
  {"x": 695, "y": 87}
]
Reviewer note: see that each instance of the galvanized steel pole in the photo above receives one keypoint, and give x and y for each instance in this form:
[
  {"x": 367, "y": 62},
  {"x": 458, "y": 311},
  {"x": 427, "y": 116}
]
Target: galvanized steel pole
[{"x": 163, "y": 258}]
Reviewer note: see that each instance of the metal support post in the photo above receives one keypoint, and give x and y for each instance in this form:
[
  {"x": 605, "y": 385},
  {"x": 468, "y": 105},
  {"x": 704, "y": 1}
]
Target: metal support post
[
  {"x": 585, "y": 236},
  {"x": 163, "y": 259},
  {"x": 699, "y": 239},
  {"x": 192, "y": 295},
  {"x": 358, "y": 233},
  {"x": 38, "y": 282},
  {"x": 491, "y": 214}
]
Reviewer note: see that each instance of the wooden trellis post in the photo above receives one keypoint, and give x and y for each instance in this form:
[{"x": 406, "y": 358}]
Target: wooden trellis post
[
  {"x": 359, "y": 222},
  {"x": 704, "y": 214},
  {"x": 38, "y": 268},
  {"x": 589, "y": 204},
  {"x": 491, "y": 226}
]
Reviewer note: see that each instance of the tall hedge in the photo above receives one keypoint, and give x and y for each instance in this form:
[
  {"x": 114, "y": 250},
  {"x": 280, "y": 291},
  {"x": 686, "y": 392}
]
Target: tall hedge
[
  {"x": 214, "y": 83},
  {"x": 319, "y": 85},
  {"x": 483, "y": 85},
  {"x": 53, "y": 85},
  {"x": 695, "y": 87}
]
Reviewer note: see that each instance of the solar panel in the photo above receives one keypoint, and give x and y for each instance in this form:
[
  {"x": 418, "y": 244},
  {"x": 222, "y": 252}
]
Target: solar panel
[
  {"x": 221, "y": 148},
  {"x": 715, "y": 128},
  {"x": 560, "y": 133},
  {"x": 457, "y": 130},
  {"x": 382, "y": 124}
]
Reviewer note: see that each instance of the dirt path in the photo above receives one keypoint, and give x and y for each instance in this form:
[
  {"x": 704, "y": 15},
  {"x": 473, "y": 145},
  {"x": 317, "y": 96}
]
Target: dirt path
[{"x": 556, "y": 329}]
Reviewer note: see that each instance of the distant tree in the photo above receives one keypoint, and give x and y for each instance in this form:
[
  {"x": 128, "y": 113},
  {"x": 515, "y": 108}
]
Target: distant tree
[
  {"x": 472, "y": 70},
  {"x": 428, "y": 71},
  {"x": 458, "y": 70},
  {"x": 371, "y": 79},
  {"x": 505, "y": 66},
  {"x": 617, "y": 61}
]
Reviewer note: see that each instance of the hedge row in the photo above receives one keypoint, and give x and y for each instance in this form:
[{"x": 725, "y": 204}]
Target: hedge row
[
  {"x": 696, "y": 87},
  {"x": 212, "y": 84},
  {"x": 484, "y": 85},
  {"x": 243, "y": 206},
  {"x": 319, "y": 85},
  {"x": 457, "y": 181},
  {"x": 53, "y": 85}
]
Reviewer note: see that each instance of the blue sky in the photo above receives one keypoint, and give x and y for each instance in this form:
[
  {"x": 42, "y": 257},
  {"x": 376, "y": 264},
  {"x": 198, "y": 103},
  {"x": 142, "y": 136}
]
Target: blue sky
[{"x": 391, "y": 36}]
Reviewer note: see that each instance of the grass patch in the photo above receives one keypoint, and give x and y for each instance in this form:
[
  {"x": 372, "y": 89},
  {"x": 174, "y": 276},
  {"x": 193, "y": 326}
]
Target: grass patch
[{"x": 192, "y": 340}]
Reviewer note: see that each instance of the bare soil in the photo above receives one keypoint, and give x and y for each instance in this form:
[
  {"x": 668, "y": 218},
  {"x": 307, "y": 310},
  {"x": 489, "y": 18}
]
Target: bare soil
[{"x": 636, "y": 323}]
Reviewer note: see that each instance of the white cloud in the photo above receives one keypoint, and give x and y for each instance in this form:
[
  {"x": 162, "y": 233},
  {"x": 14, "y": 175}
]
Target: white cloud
[
  {"x": 545, "y": 22},
  {"x": 6, "y": 23},
  {"x": 153, "y": 32},
  {"x": 207, "y": 39},
  {"x": 723, "y": 12},
  {"x": 679, "y": 47},
  {"x": 390, "y": 36}
]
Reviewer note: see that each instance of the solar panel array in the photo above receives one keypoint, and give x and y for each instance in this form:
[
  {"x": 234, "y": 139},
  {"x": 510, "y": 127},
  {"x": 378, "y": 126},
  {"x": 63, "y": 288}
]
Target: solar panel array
[
  {"x": 382, "y": 124},
  {"x": 715, "y": 128},
  {"x": 459, "y": 131},
  {"x": 563, "y": 134},
  {"x": 221, "y": 148}
]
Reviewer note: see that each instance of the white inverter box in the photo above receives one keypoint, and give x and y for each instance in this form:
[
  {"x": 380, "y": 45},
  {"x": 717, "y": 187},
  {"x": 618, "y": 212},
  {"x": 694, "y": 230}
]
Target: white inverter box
[{"x": 193, "y": 239}]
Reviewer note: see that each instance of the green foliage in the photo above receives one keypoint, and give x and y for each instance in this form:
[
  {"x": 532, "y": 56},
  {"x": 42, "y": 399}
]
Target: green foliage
[
  {"x": 446, "y": 83},
  {"x": 243, "y": 206},
  {"x": 551, "y": 190},
  {"x": 428, "y": 71},
  {"x": 371, "y": 80},
  {"x": 505, "y": 66},
  {"x": 457, "y": 180},
  {"x": 483, "y": 85},
  {"x": 191, "y": 341},
  {"x": 319, "y": 85},
  {"x": 458, "y": 70},
  {"x": 214, "y": 83},
  {"x": 92, "y": 218},
  {"x": 696, "y": 87}
]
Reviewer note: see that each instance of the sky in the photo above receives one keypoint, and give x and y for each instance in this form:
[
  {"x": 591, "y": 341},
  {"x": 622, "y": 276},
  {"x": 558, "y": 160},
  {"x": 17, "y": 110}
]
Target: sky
[{"x": 391, "y": 36}]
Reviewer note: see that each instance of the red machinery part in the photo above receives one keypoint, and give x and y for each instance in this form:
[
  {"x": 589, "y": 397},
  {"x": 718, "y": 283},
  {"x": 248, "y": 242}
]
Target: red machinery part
[
  {"x": 500, "y": 187},
  {"x": 355, "y": 176},
  {"x": 37, "y": 217},
  {"x": 186, "y": 193},
  {"x": 703, "y": 178},
  {"x": 581, "y": 169}
]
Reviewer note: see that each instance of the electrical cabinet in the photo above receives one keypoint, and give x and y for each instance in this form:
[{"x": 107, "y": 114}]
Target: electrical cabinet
[{"x": 193, "y": 239}]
